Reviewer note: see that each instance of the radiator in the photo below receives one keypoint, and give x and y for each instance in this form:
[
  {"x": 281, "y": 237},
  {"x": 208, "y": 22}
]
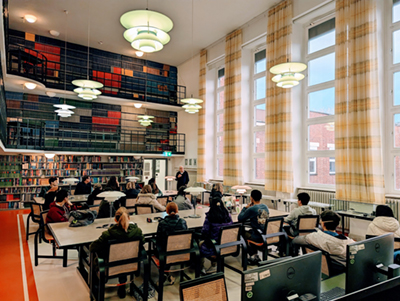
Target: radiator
[{"x": 394, "y": 204}]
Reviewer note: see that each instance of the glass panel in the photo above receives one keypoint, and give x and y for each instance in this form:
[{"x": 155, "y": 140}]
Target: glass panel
[
  {"x": 260, "y": 64},
  {"x": 396, "y": 130},
  {"x": 321, "y": 136},
  {"x": 332, "y": 166},
  {"x": 321, "y": 36},
  {"x": 259, "y": 88},
  {"x": 221, "y": 77},
  {"x": 321, "y": 69},
  {"x": 259, "y": 115},
  {"x": 321, "y": 103},
  {"x": 396, "y": 47},
  {"x": 220, "y": 167},
  {"x": 321, "y": 171},
  {"x": 397, "y": 172},
  {"x": 396, "y": 11},
  {"x": 220, "y": 145},
  {"x": 259, "y": 168},
  {"x": 259, "y": 142},
  {"x": 221, "y": 99},
  {"x": 220, "y": 122},
  {"x": 396, "y": 88}
]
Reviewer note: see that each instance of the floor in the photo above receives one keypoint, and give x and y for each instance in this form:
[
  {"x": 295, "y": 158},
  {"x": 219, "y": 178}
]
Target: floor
[{"x": 49, "y": 280}]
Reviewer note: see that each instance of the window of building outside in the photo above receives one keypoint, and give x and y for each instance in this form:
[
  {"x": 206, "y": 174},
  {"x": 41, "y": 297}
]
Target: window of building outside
[
  {"x": 394, "y": 106},
  {"x": 258, "y": 117},
  {"x": 219, "y": 115},
  {"x": 320, "y": 103}
]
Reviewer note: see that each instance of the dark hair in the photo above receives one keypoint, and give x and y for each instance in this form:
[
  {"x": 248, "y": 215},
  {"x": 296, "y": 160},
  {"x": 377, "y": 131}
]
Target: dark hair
[
  {"x": 112, "y": 182},
  {"x": 383, "y": 210},
  {"x": 84, "y": 178},
  {"x": 172, "y": 208},
  {"x": 52, "y": 179},
  {"x": 218, "y": 213},
  {"x": 181, "y": 190},
  {"x": 331, "y": 219},
  {"x": 304, "y": 198},
  {"x": 256, "y": 195},
  {"x": 61, "y": 195},
  {"x": 151, "y": 181}
]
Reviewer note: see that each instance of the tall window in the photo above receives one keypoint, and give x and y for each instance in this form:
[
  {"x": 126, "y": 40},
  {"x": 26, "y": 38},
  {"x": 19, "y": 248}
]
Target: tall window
[
  {"x": 320, "y": 96},
  {"x": 394, "y": 107},
  {"x": 258, "y": 117},
  {"x": 219, "y": 122}
]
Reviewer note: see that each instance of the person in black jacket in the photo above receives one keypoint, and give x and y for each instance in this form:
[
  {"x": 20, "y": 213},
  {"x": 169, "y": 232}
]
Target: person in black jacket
[
  {"x": 167, "y": 226},
  {"x": 217, "y": 191},
  {"x": 83, "y": 187},
  {"x": 113, "y": 184},
  {"x": 182, "y": 177},
  {"x": 50, "y": 195},
  {"x": 93, "y": 196},
  {"x": 44, "y": 190},
  {"x": 131, "y": 191}
]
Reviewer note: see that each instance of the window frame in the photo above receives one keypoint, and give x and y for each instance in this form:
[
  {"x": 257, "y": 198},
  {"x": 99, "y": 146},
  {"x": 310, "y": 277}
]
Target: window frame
[{"x": 218, "y": 112}]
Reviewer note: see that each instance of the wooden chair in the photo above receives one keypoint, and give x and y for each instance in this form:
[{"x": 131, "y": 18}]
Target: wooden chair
[
  {"x": 34, "y": 215},
  {"x": 180, "y": 249},
  {"x": 47, "y": 237},
  {"x": 272, "y": 235},
  {"x": 124, "y": 259},
  {"x": 306, "y": 224},
  {"x": 228, "y": 244},
  {"x": 163, "y": 200},
  {"x": 130, "y": 205},
  {"x": 95, "y": 208},
  {"x": 143, "y": 209},
  {"x": 97, "y": 201}
]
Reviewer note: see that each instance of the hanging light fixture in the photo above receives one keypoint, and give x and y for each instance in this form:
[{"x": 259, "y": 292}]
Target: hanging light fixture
[
  {"x": 288, "y": 74},
  {"x": 64, "y": 110},
  {"x": 49, "y": 156},
  {"x": 137, "y": 105},
  {"x": 145, "y": 120},
  {"x": 146, "y": 30}
]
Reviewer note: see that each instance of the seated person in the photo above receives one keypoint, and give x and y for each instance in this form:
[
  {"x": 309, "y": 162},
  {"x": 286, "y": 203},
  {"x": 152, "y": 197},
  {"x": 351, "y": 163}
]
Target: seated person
[
  {"x": 154, "y": 188},
  {"x": 258, "y": 214},
  {"x": 167, "y": 226},
  {"x": 384, "y": 222},
  {"x": 83, "y": 187},
  {"x": 327, "y": 240},
  {"x": 104, "y": 208},
  {"x": 50, "y": 194},
  {"x": 182, "y": 201},
  {"x": 113, "y": 184},
  {"x": 217, "y": 217},
  {"x": 44, "y": 190},
  {"x": 93, "y": 196},
  {"x": 147, "y": 197},
  {"x": 123, "y": 230},
  {"x": 132, "y": 190},
  {"x": 217, "y": 191},
  {"x": 302, "y": 209},
  {"x": 60, "y": 209}
]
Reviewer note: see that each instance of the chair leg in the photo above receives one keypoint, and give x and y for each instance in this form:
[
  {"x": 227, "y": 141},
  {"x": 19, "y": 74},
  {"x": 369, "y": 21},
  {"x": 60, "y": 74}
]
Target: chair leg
[
  {"x": 65, "y": 257},
  {"x": 54, "y": 249},
  {"x": 146, "y": 270},
  {"x": 244, "y": 259},
  {"x": 219, "y": 264},
  {"x": 160, "y": 283},
  {"x": 36, "y": 248},
  {"x": 27, "y": 228},
  {"x": 181, "y": 272}
]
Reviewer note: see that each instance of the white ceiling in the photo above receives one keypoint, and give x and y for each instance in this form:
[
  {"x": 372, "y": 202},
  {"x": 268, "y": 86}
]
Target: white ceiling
[{"x": 213, "y": 19}]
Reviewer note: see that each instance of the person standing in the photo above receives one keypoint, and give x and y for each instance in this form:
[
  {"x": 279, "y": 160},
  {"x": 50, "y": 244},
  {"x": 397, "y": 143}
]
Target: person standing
[
  {"x": 83, "y": 187},
  {"x": 182, "y": 177}
]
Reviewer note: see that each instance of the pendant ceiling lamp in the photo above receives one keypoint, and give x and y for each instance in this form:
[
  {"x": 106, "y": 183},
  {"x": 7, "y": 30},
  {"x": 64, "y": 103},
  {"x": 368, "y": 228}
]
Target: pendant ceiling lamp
[
  {"x": 288, "y": 74},
  {"x": 146, "y": 30},
  {"x": 64, "y": 110},
  {"x": 145, "y": 120}
]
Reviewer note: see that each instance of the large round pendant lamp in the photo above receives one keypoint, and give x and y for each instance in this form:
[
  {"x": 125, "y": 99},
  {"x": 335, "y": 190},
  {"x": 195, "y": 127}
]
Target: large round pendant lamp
[
  {"x": 64, "y": 110},
  {"x": 192, "y": 105},
  {"x": 87, "y": 88},
  {"x": 288, "y": 74},
  {"x": 145, "y": 120}
]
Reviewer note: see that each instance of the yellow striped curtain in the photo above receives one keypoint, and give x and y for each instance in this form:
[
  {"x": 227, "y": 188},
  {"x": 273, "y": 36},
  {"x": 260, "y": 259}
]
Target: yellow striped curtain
[
  {"x": 278, "y": 131},
  {"x": 201, "y": 141},
  {"x": 232, "y": 110},
  {"x": 359, "y": 172}
]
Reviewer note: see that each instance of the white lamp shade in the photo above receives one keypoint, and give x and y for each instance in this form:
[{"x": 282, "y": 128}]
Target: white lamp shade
[
  {"x": 195, "y": 190},
  {"x": 146, "y": 17},
  {"x": 30, "y": 86},
  {"x": 192, "y": 100},
  {"x": 291, "y": 67},
  {"x": 137, "y": 105},
  {"x": 111, "y": 194},
  {"x": 241, "y": 187},
  {"x": 85, "y": 83},
  {"x": 140, "y": 32},
  {"x": 132, "y": 179},
  {"x": 64, "y": 106},
  {"x": 170, "y": 178},
  {"x": 49, "y": 156},
  {"x": 70, "y": 181}
]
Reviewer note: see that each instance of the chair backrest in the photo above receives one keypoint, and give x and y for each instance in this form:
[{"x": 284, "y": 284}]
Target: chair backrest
[
  {"x": 97, "y": 202},
  {"x": 36, "y": 209},
  {"x": 272, "y": 226},
  {"x": 227, "y": 235},
  {"x": 210, "y": 287},
  {"x": 179, "y": 241},
  {"x": 95, "y": 208},
  {"x": 163, "y": 200},
  {"x": 119, "y": 253},
  {"x": 144, "y": 209},
  {"x": 130, "y": 205},
  {"x": 325, "y": 260},
  {"x": 307, "y": 224}
]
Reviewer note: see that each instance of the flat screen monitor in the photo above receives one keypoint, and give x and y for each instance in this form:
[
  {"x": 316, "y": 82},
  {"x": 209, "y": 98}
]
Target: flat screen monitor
[
  {"x": 278, "y": 281},
  {"x": 362, "y": 259}
]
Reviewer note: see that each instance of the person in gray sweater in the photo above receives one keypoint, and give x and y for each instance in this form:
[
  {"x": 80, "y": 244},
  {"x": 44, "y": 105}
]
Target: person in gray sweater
[{"x": 302, "y": 209}]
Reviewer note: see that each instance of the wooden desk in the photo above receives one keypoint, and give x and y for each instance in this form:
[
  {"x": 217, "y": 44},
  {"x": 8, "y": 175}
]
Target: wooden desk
[
  {"x": 78, "y": 198},
  {"x": 323, "y": 206},
  {"x": 352, "y": 214}
]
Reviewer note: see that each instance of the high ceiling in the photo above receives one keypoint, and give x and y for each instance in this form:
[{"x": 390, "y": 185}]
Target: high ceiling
[{"x": 212, "y": 20}]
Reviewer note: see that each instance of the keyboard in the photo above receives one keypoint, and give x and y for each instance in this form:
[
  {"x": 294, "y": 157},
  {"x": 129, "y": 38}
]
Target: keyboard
[{"x": 332, "y": 294}]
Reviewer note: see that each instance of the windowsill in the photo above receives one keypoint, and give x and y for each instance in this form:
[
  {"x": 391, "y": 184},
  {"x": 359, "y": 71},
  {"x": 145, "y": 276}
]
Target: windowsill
[
  {"x": 254, "y": 184},
  {"x": 318, "y": 188}
]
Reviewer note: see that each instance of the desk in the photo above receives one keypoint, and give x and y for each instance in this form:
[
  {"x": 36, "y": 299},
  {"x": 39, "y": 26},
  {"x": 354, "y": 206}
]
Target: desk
[
  {"x": 169, "y": 193},
  {"x": 323, "y": 206},
  {"x": 336, "y": 281},
  {"x": 272, "y": 198},
  {"x": 78, "y": 198},
  {"x": 352, "y": 214}
]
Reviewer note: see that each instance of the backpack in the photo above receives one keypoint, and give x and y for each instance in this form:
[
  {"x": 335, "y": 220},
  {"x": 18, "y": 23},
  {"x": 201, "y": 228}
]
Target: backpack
[{"x": 80, "y": 218}]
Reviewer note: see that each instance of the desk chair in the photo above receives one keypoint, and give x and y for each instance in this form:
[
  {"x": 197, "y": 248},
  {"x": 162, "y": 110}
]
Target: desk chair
[
  {"x": 306, "y": 224},
  {"x": 97, "y": 201},
  {"x": 180, "y": 249},
  {"x": 228, "y": 244},
  {"x": 211, "y": 287},
  {"x": 34, "y": 215},
  {"x": 143, "y": 209},
  {"x": 163, "y": 200},
  {"x": 124, "y": 259},
  {"x": 130, "y": 205},
  {"x": 272, "y": 235},
  {"x": 95, "y": 208},
  {"x": 47, "y": 237}
]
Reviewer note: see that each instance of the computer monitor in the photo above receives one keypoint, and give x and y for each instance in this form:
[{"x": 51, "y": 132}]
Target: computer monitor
[
  {"x": 363, "y": 257},
  {"x": 283, "y": 279},
  {"x": 211, "y": 287}
]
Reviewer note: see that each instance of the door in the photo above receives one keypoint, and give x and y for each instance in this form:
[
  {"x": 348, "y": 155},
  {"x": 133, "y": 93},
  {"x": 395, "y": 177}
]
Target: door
[{"x": 155, "y": 168}]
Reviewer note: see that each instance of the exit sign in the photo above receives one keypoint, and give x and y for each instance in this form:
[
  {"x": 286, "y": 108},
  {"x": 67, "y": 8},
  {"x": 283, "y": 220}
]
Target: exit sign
[{"x": 167, "y": 154}]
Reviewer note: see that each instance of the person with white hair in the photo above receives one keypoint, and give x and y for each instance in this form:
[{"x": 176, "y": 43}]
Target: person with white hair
[{"x": 182, "y": 177}]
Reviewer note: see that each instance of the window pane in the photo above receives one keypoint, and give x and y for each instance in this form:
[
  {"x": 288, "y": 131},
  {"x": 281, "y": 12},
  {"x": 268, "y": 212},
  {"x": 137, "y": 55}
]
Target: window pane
[
  {"x": 259, "y": 142},
  {"x": 220, "y": 145},
  {"x": 332, "y": 166},
  {"x": 220, "y": 167},
  {"x": 321, "y": 171},
  {"x": 221, "y": 99},
  {"x": 321, "y": 103},
  {"x": 259, "y": 115},
  {"x": 396, "y": 47},
  {"x": 396, "y": 88},
  {"x": 397, "y": 172},
  {"x": 259, "y": 88},
  {"x": 260, "y": 64},
  {"x": 220, "y": 122},
  {"x": 321, "y": 36},
  {"x": 259, "y": 166},
  {"x": 321, "y": 136},
  {"x": 321, "y": 69},
  {"x": 396, "y": 130},
  {"x": 396, "y": 11},
  {"x": 221, "y": 77}
]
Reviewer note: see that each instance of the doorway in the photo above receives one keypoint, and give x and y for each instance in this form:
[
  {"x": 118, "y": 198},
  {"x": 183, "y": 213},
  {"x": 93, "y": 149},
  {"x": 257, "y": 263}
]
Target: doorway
[{"x": 156, "y": 168}]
